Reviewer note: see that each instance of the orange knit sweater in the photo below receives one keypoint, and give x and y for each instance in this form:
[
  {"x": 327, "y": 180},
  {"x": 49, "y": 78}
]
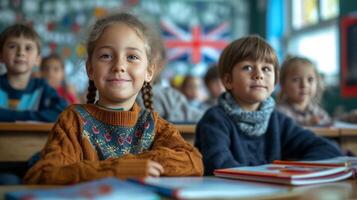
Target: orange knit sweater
[{"x": 69, "y": 157}]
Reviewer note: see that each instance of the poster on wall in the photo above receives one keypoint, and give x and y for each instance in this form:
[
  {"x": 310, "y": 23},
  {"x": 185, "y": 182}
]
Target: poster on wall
[{"x": 349, "y": 56}]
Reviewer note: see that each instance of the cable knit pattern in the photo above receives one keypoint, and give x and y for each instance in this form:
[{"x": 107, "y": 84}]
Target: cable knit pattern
[{"x": 70, "y": 158}]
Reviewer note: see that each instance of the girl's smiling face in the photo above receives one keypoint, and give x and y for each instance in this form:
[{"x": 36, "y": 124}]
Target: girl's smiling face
[{"x": 119, "y": 66}]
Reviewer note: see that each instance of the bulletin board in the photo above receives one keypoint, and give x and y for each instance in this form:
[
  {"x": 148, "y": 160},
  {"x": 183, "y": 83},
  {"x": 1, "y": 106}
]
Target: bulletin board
[{"x": 349, "y": 56}]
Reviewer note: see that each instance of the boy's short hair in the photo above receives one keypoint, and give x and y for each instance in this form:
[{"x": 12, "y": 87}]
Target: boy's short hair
[
  {"x": 211, "y": 74},
  {"x": 252, "y": 48},
  {"x": 18, "y": 30}
]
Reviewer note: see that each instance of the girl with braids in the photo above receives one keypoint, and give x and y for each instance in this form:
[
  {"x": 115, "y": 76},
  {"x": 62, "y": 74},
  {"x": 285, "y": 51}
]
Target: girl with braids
[
  {"x": 301, "y": 92},
  {"x": 111, "y": 135}
]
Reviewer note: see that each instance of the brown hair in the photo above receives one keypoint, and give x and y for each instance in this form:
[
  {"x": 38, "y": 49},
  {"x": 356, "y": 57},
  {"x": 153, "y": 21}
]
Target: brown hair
[
  {"x": 18, "y": 30},
  {"x": 294, "y": 61},
  {"x": 143, "y": 32},
  {"x": 247, "y": 48},
  {"x": 211, "y": 74}
]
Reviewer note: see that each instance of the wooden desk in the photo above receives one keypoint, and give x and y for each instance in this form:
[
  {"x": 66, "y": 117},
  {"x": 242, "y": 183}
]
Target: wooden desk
[
  {"x": 32, "y": 136},
  {"x": 187, "y": 131},
  {"x": 331, "y": 132},
  {"x": 19, "y": 141},
  {"x": 339, "y": 190}
]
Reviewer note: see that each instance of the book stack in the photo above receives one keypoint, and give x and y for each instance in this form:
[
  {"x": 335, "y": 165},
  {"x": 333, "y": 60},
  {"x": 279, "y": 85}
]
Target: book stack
[{"x": 295, "y": 172}]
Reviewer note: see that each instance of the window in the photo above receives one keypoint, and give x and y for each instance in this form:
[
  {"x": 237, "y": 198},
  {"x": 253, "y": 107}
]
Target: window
[{"x": 313, "y": 33}]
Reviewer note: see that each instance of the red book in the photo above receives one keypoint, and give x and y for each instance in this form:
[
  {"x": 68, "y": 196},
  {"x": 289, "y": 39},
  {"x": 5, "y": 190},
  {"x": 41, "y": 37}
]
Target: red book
[{"x": 289, "y": 172}]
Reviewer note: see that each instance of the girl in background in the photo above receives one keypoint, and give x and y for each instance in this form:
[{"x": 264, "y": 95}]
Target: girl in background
[
  {"x": 301, "y": 91},
  {"x": 111, "y": 135},
  {"x": 52, "y": 69}
]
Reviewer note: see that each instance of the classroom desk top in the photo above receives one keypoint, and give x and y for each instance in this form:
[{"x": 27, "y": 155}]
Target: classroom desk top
[
  {"x": 32, "y": 136},
  {"x": 325, "y": 131},
  {"x": 186, "y": 128},
  {"x": 348, "y": 132},
  {"x": 25, "y": 127},
  {"x": 183, "y": 128},
  {"x": 338, "y": 190},
  {"x": 190, "y": 129}
]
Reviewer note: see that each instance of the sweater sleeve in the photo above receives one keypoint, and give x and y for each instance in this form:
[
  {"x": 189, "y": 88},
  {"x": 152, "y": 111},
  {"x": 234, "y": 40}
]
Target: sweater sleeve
[
  {"x": 214, "y": 141},
  {"x": 302, "y": 144},
  {"x": 50, "y": 106},
  {"x": 67, "y": 158},
  {"x": 177, "y": 156}
]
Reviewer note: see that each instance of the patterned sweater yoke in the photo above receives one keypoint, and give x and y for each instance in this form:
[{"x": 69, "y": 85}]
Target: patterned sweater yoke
[{"x": 115, "y": 140}]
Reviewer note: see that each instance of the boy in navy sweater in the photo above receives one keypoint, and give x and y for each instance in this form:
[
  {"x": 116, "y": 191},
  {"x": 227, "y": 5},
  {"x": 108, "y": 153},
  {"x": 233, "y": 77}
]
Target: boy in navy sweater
[
  {"x": 22, "y": 97},
  {"x": 244, "y": 129}
]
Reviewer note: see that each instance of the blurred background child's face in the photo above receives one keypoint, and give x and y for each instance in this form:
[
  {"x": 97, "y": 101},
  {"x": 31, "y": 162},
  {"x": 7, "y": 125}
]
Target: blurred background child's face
[
  {"x": 119, "y": 66},
  {"x": 20, "y": 55},
  {"x": 191, "y": 88},
  {"x": 300, "y": 84},
  {"x": 215, "y": 88},
  {"x": 250, "y": 83},
  {"x": 53, "y": 72}
]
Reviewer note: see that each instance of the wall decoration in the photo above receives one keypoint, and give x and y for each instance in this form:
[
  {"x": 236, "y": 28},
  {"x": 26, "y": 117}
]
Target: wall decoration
[{"x": 195, "y": 31}]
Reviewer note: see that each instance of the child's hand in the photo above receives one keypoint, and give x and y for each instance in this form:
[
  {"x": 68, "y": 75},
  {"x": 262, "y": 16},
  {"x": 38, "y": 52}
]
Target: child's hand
[{"x": 155, "y": 169}]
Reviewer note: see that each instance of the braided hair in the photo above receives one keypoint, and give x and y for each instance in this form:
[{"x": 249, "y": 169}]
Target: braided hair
[
  {"x": 92, "y": 91},
  {"x": 146, "y": 92}
]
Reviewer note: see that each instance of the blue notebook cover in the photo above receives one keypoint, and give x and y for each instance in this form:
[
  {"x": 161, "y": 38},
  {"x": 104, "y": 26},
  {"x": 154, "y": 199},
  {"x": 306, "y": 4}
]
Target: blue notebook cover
[
  {"x": 103, "y": 189},
  {"x": 208, "y": 187}
]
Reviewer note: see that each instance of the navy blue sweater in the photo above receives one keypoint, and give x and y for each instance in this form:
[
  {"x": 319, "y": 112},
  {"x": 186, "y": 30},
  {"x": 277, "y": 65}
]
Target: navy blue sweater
[
  {"x": 37, "y": 102},
  {"x": 223, "y": 145}
]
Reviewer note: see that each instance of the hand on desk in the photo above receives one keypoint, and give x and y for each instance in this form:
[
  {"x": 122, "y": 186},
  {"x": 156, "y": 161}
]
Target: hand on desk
[{"x": 155, "y": 169}]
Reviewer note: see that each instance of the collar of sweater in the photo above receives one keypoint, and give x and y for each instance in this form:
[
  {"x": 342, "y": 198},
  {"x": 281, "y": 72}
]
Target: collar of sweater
[{"x": 114, "y": 117}]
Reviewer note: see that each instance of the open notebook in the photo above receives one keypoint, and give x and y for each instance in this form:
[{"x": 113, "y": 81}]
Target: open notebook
[
  {"x": 209, "y": 188},
  {"x": 107, "y": 188}
]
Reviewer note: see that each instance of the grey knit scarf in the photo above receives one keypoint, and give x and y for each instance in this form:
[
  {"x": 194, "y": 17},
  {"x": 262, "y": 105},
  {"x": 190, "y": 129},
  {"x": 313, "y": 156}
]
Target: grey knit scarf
[{"x": 254, "y": 123}]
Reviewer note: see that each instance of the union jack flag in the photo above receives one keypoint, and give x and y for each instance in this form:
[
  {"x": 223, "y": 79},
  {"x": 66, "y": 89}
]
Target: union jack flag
[{"x": 195, "y": 44}]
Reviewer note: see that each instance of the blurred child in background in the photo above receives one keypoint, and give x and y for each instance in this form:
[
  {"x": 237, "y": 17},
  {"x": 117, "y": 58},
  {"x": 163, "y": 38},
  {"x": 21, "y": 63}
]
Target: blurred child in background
[
  {"x": 214, "y": 86},
  {"x": 21, "y": 96},
  {"x": 52, "y": 69},
  {"x": 191, "y": 87},
  {"x": 301, "y": 91}
]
